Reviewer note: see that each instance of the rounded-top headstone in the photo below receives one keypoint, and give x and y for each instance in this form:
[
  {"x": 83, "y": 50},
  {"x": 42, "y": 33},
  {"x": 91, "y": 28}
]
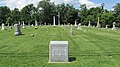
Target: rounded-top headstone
[{"x": 3, "y": 26}]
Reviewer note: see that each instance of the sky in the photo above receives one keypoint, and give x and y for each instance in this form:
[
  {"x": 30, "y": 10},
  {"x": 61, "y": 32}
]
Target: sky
[{"x": 76, "y": 3}]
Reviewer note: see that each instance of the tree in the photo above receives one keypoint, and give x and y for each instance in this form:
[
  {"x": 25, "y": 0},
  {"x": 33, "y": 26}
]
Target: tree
[
  {"x": 4, "y": 14},
  {"x": 15, "y": 15},
  {"x": 27, "y": 13},
  {"x": 46, "y": 11},
  {"x": 117, "y": 13},
  {"x": 107, "y": 19}
]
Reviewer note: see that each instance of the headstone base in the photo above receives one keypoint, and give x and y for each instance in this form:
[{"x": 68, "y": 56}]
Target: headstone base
[{"x": 17, "y": 33}]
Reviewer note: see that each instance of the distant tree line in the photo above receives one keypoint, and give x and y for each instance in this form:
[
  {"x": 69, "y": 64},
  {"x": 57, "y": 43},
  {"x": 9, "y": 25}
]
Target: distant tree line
[{"x": 64, "y": 13}]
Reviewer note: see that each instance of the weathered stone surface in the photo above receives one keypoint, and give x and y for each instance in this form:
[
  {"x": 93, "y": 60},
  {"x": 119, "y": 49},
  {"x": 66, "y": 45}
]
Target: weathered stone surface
[{"x": 58, "y": 51}]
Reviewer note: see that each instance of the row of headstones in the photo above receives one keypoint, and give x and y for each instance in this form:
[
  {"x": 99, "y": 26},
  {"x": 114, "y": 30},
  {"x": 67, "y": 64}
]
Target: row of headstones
[
  {"x": 89, "y": 25},
  {"x": 98, "y": 25}
]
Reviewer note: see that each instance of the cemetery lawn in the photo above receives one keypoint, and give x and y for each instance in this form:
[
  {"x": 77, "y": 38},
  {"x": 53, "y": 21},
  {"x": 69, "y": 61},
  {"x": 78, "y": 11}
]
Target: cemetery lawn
[{"x": 89, "y": 47}]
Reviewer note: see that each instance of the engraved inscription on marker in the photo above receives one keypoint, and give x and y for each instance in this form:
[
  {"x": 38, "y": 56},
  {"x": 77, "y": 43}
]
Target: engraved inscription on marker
[{"x": 58, "y": 51}]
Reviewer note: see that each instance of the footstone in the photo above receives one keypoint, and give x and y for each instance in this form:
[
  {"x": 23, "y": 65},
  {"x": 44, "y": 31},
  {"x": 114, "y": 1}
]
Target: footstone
[
  {"x": 17, "y": 30},
  {"x": 58, "y": 51}
]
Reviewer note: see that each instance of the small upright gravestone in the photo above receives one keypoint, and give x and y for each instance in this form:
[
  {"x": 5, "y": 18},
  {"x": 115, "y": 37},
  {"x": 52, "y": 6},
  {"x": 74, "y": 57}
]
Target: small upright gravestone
[
  {"x": 114, "y": 28},
  {"x": 106, "y": 26},
  {"x": 23, "y": 25},
  {"x": 17, "y": 30},
  {"x": 3, "y": 26},
  {"x": 89, "y": 25},
  {"x": 36, "y": 23},
  {"x": 58, "y": 51},
  {"x": 75, "y": 23},
  {"x": 79, "y": 26}
]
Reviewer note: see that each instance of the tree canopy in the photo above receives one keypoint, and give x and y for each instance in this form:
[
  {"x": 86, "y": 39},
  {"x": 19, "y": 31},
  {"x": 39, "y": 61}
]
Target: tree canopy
[{"x": 64, "y": 14}]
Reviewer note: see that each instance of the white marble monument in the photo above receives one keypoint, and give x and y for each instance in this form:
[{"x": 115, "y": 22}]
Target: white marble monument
[
  {"x": 114, "y": 28},
  {"x": 89, "y": 24},
  {"x": 54, "y": 21},
  {"x": 3, "y": 26}
]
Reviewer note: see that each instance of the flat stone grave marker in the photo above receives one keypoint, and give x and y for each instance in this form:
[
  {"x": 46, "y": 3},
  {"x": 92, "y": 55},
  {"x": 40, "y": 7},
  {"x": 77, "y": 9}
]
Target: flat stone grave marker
[{"x": 58, "y": 51}]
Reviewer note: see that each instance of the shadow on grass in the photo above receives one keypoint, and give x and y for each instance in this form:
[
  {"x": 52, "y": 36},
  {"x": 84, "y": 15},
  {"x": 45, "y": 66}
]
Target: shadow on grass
[
  {"x": 20, "y": 35},
  {"x": 71, "y": 59}
]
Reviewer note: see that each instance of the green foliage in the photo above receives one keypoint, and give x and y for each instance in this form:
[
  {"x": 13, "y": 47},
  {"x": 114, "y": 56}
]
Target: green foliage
[
  {"x": 64, "y": 13},
  {"x": 15, "y": 15},
  {"x": 4, "y": 14}
]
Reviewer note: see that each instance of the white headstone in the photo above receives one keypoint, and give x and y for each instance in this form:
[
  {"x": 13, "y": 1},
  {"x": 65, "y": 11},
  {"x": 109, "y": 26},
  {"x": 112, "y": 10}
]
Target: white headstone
[
  {"x": 114, "y": 28},
  {"x": 36, "y": 23},
  {"x": 79, "y": 26},
  {"x": 53, "y": 20},
  {"x": 23, "y": 24},
  {"x": 19, "y": 22},
  {"x": 106, "y": 26},
  {"x": 32, "y": 25},
  {"x": 3, "y": 26},
  {"x": 75, "y": 23},
  {"x": 89, "y": 25},
  {"x": 58, "y": 51}
]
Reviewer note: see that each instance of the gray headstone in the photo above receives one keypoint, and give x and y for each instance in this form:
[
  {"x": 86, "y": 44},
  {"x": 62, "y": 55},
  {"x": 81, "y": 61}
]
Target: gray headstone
[
  {"x": 3, "y": 26},
  {"x": 10, "y": 28},
  {"x": 58, "y": 51},
  {"x": 17, "y": 30}
]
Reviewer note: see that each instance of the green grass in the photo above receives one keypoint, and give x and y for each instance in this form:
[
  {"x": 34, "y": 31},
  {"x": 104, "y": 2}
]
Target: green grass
[{"x": 91, "y": 47}]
